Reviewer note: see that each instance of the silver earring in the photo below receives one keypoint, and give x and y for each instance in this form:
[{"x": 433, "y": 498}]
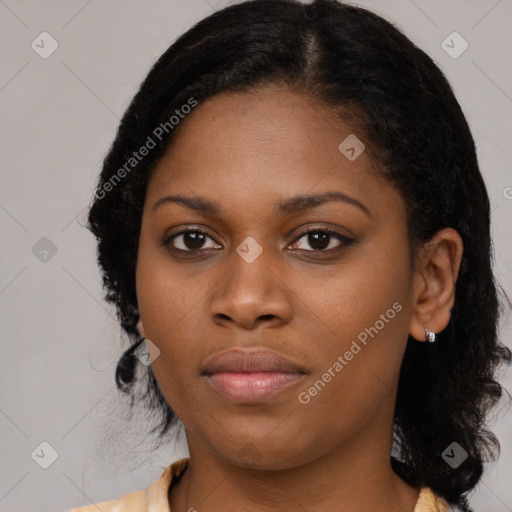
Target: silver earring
[{"x": 431, "y": 336}]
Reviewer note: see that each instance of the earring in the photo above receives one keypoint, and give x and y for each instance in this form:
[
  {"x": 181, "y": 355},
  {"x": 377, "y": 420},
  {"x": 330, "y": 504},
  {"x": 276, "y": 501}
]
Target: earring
[{"x": 431, "y": 336}]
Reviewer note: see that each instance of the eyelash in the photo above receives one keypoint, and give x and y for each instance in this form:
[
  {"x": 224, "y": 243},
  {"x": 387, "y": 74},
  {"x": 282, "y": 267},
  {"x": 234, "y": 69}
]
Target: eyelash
[{"x": 345, "y": 241}]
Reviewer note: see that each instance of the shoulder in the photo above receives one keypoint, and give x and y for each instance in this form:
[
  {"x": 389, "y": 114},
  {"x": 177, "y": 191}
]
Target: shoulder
[
  {"x": 134, "y": 502},
  {"x": 153, "y": 498},
  {"x": 429, "y": 501}
]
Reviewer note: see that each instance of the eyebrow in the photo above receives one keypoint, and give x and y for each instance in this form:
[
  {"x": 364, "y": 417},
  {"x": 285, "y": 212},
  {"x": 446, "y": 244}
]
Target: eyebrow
[{"x": 292, "y": 205}]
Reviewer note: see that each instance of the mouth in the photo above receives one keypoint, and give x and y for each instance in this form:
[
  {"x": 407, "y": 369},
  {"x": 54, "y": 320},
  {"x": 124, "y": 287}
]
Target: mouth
[
  {"x": 252, "y": 387},
  {"x": 251, "y": 376}
]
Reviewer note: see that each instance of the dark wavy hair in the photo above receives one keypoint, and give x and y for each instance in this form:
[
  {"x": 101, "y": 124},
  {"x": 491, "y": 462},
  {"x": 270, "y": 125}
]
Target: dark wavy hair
[{"x": 366, "y": 70}]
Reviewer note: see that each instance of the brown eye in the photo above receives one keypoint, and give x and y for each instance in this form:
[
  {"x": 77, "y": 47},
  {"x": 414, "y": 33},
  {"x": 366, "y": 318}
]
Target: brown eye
[
  {"x": 322, "y": 240},
  {"x": 189, "y": 241}
]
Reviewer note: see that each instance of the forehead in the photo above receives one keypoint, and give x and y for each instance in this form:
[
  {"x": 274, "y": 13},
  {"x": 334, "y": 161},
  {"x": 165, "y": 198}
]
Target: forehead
[
  {"x": 270, "y": 120},
  {"x": 251, "y": 146}
]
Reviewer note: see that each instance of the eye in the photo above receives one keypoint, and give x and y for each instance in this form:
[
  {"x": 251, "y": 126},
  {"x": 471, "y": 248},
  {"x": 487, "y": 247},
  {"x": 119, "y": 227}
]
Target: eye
[
  {"x": 321, "y": 240},
  {"x": 189, "y": 240}
]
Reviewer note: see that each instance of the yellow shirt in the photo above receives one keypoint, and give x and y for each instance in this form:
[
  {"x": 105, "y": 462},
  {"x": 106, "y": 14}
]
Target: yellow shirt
[{"x": 155, "y": 498}]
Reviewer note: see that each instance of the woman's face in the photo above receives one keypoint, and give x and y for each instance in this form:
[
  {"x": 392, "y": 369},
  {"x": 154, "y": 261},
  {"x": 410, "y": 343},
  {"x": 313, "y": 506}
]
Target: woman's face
[{"x": 338, "y": 309}]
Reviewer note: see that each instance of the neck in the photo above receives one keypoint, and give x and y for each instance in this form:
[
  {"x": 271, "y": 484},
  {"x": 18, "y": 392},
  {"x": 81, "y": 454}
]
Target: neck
[{"x": 356, "y": 475}]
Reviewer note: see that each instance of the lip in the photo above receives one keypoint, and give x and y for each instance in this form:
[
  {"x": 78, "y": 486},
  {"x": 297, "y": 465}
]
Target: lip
[
  {"x": 250, "y": 360},
  {"x": 251, "y": 375}
]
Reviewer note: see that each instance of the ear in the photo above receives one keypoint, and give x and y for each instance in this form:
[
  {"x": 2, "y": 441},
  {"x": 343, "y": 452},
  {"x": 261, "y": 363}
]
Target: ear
[
  {"x": 435, "y": 277},
  {"x": 140, "y": 328}
]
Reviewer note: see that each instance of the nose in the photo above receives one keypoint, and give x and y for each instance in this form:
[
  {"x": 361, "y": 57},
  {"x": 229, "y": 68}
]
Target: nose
[{"x": 251, "y": 294}]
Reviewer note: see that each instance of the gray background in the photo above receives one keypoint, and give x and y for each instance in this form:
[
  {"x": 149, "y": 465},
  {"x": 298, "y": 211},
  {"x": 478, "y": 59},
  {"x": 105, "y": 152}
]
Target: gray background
[{"x": 60, "y": 341}]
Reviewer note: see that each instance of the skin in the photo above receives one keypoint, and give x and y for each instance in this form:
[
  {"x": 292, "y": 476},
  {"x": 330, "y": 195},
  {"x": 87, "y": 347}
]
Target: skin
[{"x": 247, "y": 152}]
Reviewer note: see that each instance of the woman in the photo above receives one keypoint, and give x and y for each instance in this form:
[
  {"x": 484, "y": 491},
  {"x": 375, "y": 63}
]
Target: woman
[{"x": 291, "y": 208}]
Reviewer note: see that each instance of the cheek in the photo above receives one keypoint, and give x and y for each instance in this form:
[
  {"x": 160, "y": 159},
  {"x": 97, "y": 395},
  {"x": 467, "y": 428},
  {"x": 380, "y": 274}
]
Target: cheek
[
  {"x": 354, "y": 296},
  {"x": 164, "y": 317},
  {"x": 169, "y": 303},
  {"x": 160, "y": 303},
  {"x": 362, "y": 315}
]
